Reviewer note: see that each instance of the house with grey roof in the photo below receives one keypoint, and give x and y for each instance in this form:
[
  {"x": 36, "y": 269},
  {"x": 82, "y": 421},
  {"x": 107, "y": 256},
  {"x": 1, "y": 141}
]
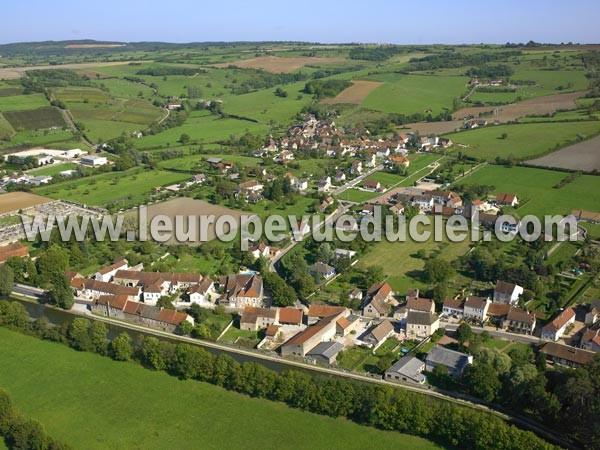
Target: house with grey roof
[
  {"x": 455, "y": 362},
  {"x": 325, "y": 352},
  {"x": 408, "y": 369}
]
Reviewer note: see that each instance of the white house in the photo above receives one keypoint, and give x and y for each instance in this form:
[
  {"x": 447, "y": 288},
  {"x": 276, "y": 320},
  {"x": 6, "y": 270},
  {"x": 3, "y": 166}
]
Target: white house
[
  {"x": 201, "y": 293},
  {"x": 324, "y": 184},
  {"x": 556, "y": 329},
  {"x": 107, "y": 273},
  {"x": 476, "y": 308},
  {"x": 453, "y": 308},
  {"x": 507, "y": 293}
]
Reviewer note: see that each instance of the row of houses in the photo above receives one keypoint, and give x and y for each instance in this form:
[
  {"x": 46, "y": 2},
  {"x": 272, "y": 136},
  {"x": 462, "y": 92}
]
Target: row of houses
[
  {"x": 234, "y": 291},
  {"x": 121, "y": 307}
]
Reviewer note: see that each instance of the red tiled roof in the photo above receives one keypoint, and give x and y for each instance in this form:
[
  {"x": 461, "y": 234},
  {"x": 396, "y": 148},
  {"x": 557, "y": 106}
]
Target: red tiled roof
[
  {"x": 290, "y": 315},
  {"x": 560, "y": 320},
  {"x": 420, "y": 304},
  {"x": 324, "y": 310}
]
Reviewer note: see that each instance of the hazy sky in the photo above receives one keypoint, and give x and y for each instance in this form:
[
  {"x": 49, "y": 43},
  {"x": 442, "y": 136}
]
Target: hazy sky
[{"x": 394, "y": 21}]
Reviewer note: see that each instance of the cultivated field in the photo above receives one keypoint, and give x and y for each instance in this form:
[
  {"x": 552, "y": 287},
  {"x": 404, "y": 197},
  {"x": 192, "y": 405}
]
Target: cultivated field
[
  {"x": 277, "y": 64},
  {"x": 8, "y": 73},
  {"x": 584, "y": 156},
  {"x": 34, "y": 119},
  {"x": 522, "y": 141},
  {"x": 547, "y": 104},
  {"x": 14, "y": 201},
  {"x": 409, "y": 94},
  {"x": 95, "y": 403},
  {"x": 189, "y": 207},
  {"x": 356, "y": 93}
]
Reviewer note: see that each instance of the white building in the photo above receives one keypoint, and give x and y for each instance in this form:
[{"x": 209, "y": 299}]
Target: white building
[
  {"x": 507, "y": 293},
  {"x": 94, "y": 160},
  {"x": 476, "y": 308},
  {"x": 556, "y": 329}
]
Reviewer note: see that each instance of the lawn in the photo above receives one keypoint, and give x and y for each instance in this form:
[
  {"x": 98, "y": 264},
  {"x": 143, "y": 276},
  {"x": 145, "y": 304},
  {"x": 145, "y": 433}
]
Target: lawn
[
  {"x": 96, "y": 403},
  {"x": 408, "y": 94},
  {"x": 593, "y": 229},
  {"x": 123, "y": 188},
  {"x": 523, "y": 141},
  {"x": 54, "y": 169},
  {"x": 409, "y": 273},
  {"x": 534, "y": 188}
]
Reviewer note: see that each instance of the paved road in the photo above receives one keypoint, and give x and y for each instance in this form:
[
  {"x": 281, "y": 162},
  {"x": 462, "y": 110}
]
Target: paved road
[
  {"x": 29, "y": 291},
  {"x": 352, "y": 183}
]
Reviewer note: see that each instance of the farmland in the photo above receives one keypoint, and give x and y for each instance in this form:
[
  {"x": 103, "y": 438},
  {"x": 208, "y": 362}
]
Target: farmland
[
  {"x": 277, "y": 64},
  {"x": 202, "y": 127},
  {"x": 82, "y": 380},
  {"x": 409, "y": 94},
  {"x": 356, "y": 93},
  {"x": 522, "y": 141},
  {"x": 195, "y": 208},
  {"x": 534, "y": 188},
  {"x": 14, "y": 201},
  {"x": 34, "y": 119},
  {"x": 123, "y": 189},
  {"x": 581, "y": 156}
]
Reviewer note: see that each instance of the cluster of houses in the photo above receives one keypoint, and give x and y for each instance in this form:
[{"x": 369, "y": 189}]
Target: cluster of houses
[{"x": 132, "y": 284}]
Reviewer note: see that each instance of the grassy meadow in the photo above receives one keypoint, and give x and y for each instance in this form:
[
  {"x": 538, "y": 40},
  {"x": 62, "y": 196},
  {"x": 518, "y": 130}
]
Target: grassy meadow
[
  {"x": 523, "y": 141},
  {"x": 534, "y": 188},
  {"x": 97, "y": 403}
]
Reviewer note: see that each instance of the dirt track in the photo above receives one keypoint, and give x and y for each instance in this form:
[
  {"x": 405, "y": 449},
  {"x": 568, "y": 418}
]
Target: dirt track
[
  {"x": 356, "y": 93},
  {"x": 277, "y": 64},
  {"x": 8, "y": 73},
  {"x": 13, "y": 201},
  {"x": 583, "y": 156}
]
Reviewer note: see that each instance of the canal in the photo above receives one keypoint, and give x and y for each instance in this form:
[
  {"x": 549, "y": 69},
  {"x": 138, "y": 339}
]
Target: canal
[{"x": 59, "y": 317}]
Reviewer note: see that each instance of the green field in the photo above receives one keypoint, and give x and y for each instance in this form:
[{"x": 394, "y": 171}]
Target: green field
[
  {"x": 81, "y": 95},
  {"x": 409, "y": 273},
  {"x": 91, "y": 402},
  {"x": 58, "y": 138},
  {"x": 408, "y": 94},
  {"x": 34, "y": 119},
  {"x": 523, "y": 141},
  {"x": 54, "y": 169},
  {"x": 124, "y": 189},
  {"x": 22, "y": 102},
  {"x": 202, "y": 127},
  {"x": 192, "y": 161},
  {"x": 534, "y": 188}
]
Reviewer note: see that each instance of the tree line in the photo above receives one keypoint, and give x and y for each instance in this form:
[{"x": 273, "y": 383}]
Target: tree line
[
  {"x": 19, "y": 432},
  {"x": 383, "y": 407}
]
